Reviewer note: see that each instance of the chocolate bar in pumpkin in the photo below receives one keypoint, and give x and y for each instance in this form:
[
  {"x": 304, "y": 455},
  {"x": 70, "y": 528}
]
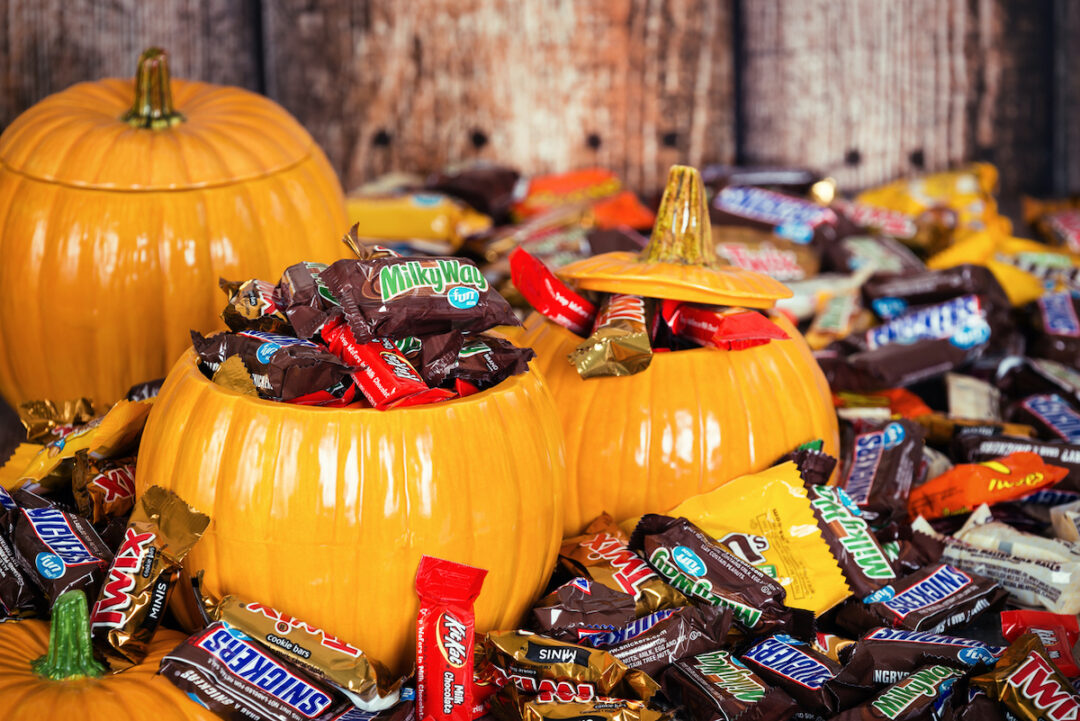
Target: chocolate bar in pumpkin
[
  {"x": 485, "y": 361},
  {"x": 548, "y": 295},
  {"x": 253, "y": 305},
  {"x": 619, "y": 344}
]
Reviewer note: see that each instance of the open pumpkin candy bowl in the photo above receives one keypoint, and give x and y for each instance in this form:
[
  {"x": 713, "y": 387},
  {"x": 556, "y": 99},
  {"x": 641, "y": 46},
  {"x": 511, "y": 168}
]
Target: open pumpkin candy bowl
[{"x": 692, "y": 419}]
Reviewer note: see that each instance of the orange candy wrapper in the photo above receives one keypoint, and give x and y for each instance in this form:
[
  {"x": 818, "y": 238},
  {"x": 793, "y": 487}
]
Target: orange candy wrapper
[{"x": 968, "y": 485}]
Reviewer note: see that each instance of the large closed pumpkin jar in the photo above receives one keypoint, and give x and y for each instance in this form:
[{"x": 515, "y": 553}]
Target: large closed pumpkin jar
[
  {"x": 324, "y": 514},
  {"x": 122, "y": 203},
  {"x": 693, "y": 419}
]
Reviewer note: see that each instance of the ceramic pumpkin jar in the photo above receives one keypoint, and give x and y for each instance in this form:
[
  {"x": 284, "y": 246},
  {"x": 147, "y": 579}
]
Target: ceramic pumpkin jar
[
  {"x": 122, "y": 204},
  {"x": 48, "y": 672},
  {"x": 324, "y": 514},
  {"x": 695, "y": 418}
]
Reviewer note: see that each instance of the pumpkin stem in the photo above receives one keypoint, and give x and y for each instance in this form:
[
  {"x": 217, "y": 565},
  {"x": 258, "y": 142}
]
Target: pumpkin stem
[
  {"x": 70, "y": 656},
  {"x": 683, "y": 233},
  {"x": 153, "y": 107}
]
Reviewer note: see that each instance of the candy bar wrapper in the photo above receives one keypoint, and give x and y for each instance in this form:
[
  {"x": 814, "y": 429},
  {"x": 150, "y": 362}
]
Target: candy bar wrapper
[
  {"x": 878, "y": 254},
  {"x": 556, "y": 670},
  {"x": 919, "y": 697},
  {"x": 839, "y": 315},
  {"x": 253, "y": 305},
  {"x": 717, "y": 685},
  {"x": 365, "y": 681},
  {"x": 1028, "y": 683},
  {"x": 892, "y": 365},
  {"x": 161, "y": 531},
  {"x": 966, "y": 486},
  {"x": 891, "y": 297},
  {"x": 885, "y": 656},
  {"x": 702, "y": 569},
  {"x": 18, "y": 595},
  {"x": 306, "y": 299},
  {"x": 1053, "y": 416},
  {"x": 47, "y": 420},
  {"x": 227, "y": 672},
  {"x": 607, "y": 709},
  {"x": 1019, "y": 377},
  {"x": 804, "y": 674},
  {"x": 980, "y": 529},
  {"x": 765, "y": 253},
  {"x": 1058, "y": 633},
  {"x": 102, "y": 488},
  {"x": 486, "y": 187},
  {"x": 145, "y": 390},
  {"x": 619, "y": 344},
  {"x": 945, "y": 431},
  {"x": 445, "y": 631},
  {"x": 1054, "y": 323},
  {"x": 395, "y": 297},
  {"x": 880, "y": 464},
  {"x": 1065, "y": 520},
  {"x": 908, "y": 549},
  {"x": 442, "y": 221},
  {"x": 868, "y": 218},
  {"x": 57, "y": 550},
  {"x": 549, "y": 296},
  {"x": 786, "y": 216},
  {"x": 582, "y": 605},
  {"x": 576, "y": 187},
  {"x": 602, "y": 554},
  {"x": 435, "y": 357},
  {"x": 725, "y": 329},
  {"x": 968, "y": 191},
  {"x": 864, "y": 563},
  {"x": 773, "y": 537},
  {"x": 835, "y": 647},
  {"x": 815, "y": 466},
  {"x": 485, "y": 361}
]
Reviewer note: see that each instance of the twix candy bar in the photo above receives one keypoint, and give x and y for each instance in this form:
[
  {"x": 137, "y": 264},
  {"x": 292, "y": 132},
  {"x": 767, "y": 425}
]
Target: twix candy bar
[
  {"x": 103, "y": 488},
  {"x": 619, "y": 344},
  {"x": 161, "y": 531}
]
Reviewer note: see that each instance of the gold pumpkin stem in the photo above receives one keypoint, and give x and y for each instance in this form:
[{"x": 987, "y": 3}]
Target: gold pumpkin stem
[
  {"x": 153, "y": 107},
  {"x": 683, "y": 233},
  {"x": 70, "y": 656}
]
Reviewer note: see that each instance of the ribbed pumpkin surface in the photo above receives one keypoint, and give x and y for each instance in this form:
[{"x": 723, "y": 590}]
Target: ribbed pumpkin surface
[
  {"x": 691, "y": 421},
  {"x": 137, "y": 694},
  {"x": 324, "y": 514},
  {"x": 113, "y": 238}
]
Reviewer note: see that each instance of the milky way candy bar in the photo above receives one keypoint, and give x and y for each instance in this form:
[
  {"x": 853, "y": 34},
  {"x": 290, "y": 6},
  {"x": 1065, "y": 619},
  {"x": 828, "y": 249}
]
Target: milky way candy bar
[
  {"x": 924, "y": 695},
  {"x": 717, "y": 686}
]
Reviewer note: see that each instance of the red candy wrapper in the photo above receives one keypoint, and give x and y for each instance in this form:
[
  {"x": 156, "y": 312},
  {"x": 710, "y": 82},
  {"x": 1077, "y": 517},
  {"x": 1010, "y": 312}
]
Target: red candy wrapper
[
  {"x": 549, "y": 295},
  {"x": 727, "y": 329},
  {"x": 445, "y": 633},
  {"x": 1057, "y": 631}
]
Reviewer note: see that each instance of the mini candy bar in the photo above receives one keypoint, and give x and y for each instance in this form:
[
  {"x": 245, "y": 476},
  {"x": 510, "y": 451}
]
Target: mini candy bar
[
  {"x": 306, "y": 299},
  {"x": 1055, "y": 323},
  {"x": 699, "y": 567},
  {"x": 1019, "y": 378},
  {"x": 363, "y": 680},
  {"x": 975, "y": 705},
  {"x": 968, "y": 191},
  {"x": 549, "y": 296},
  {"x": 559, "y": 189},
  {"x": 560, "y": 671},
  {"x": 880, "y": 463},
  {"x": 717, "y": 686},
  {"x": 1065, "y": 520},
  {"x": 835, "y": 647},
  {"x": 963, "y": 321},
  {"x": 1052, "y": 415},
  {"x": 445, "y": 631},
  {"x": 57, "y": 550},
  {"x": 1062, "y": 228},
  {"x": 395, "y": 297},
  {"x": 1058, "y": 633},
  {"x": 253, "y": 305},
  {"x": 161, "y": 531},
  {"x": 983, "y": 531},
  {"x": 18, "y": 596},
  {"x": 809, "y": 677},
  {"x": 145, "y": 390},
  {"x": 581, "y": 604},
  {"x": 281, "y": 366},
  {"x": 46, "y": 421},
  {"x": 888, "y": 222},
  {"x": 909, "y": 550},
  {"x": 765, "y": 253},
  {"x": 886, "y": 656},
  {"x": 726, "y": 329},
  {"x": 795, "y": 219},
  {"x": 653, "y": 643},
  {"x": 839, "y": 315},
  {"x": 103, "y": 488},
  {"x": 891, "y": 366},
  {"x": 863, "y": 561},
  {"x": 965, "y": 486},
  {"x": 878, "y": 254},
  {"x": 797, "y": 181},
  {"x": 944, "y": 431},
  {"x": 383, "y": 374},
  {"x": 434, "y": 357},
  {"x": 935, "y": 599},
  {"x": 892, "y": 296},
  {"x": 815, "y": 466},
  {"x": 925, "y": 695},
  {"x": 440, "y": 222},
  {"x": 485, "y": 361},
  {"x": 1028, "y": 683},
  {"x": 619, "y": 344},
  {"x": 607, "y": 709},
  {"x": 603, "y": 555},
  {"x": 221, "y": 668},
  {"x": 486, "y": 187}
]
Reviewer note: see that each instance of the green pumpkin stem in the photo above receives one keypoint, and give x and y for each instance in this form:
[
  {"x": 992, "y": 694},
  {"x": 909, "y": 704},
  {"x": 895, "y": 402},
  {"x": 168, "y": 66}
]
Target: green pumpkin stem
[
  {"x": 70, "y": 656},
  {"x": 683, "y": 233},
  {"x": 153, "y": 107}
]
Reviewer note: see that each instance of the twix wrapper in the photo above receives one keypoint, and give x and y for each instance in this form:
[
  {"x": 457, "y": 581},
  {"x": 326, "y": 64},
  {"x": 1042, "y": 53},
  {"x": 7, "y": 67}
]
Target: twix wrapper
[
  {"x": 619, "y": 344},
  {"x": 1028, "y": 683},
  {"x": 103, "y": 488},
  {"x": 161, "y": 531},
  {"x": 253, "y": 305},
  {"x": 445, "y": 635},
  {"x": 47, "y": 421}
]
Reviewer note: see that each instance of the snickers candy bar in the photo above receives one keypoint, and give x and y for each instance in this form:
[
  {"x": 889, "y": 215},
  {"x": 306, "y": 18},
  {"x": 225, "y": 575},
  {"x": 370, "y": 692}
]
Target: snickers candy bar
[
  {"x": 891, "y": 366},
  {"x": 795, "y": 219},
  {"x": 1052, "y": 415},
  {"x": 1055, "y": 323},
  {"x": 486, "y": 361},
  {"x": 861, "y": 558},
  {"x": 227, "y": 672},
  {"x": 18, "y": 596},
  {"x": 717, "y": 686},
  {"x": 963, "y": 321},
  {"x": 806, "y": 675},
  {"x": 103, "y": 488},
  {"x": 1028, "y": 683},
  {"x": 892, "y": 296},
  {"x": 925, "y": 695},
  {"x": 886, "y": 656},
  {"x": 253, "y": 305},
  {"x": 582, "y": 605},
  {"x": 702, "y": 569},
  {"x": 880, "y": 463}
]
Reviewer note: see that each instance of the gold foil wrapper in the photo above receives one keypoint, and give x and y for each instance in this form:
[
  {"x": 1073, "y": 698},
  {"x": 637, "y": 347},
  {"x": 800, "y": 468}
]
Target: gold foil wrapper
[
  {"x": 608, "y": 709},
  {"x": 234, "y": 375},
  {"x": 103, "y": 488},
  {"x": 619, "y": 344},
  {"x": 1029, "y": 684},
  {"x": 46, "y": 421}
]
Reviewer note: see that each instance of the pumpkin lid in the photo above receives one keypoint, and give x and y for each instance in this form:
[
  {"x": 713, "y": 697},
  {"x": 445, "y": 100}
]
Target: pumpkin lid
[
  {"x": 118, "y": 134},
  {"x": 680, "y": 261}
]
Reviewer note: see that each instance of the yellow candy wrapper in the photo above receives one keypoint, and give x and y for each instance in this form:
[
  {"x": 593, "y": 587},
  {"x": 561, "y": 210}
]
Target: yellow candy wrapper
[
  {"x": 438, "y": 222},
  {"x": 996, "y": 253},
  {"x": 11, "y": 469}
]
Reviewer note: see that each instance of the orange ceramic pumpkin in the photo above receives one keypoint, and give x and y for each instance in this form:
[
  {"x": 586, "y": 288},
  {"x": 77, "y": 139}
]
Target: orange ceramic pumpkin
[
  {"x": 44, "y": 678},
  {"x": 118, "y": 213},
  {"x": 324, "y": 513},
  {"x": 693, "y": 419}
]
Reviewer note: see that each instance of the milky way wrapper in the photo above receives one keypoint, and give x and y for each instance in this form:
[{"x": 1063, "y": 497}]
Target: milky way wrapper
[
  {"x": 161, "y": 531},
  {"x": 925, "y": 695},
  {"x": 619, "y": 343},
  {"x": 717, "y": 686},
  {"x": 703, "y": 569},
  {"x": 103, "y": 488},
  {"x": 602, "y": 554},
  {"x": 862, "y": 559},
  {"x": 1029, "y": 684}
]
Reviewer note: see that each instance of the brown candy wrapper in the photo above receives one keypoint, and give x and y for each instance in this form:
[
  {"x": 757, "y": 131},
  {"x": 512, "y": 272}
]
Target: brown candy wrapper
[
  {"x": 602, "y": 554},
  {"x": 806, "y": 675},
  {"x": 47, "y": 421},
  {"x": 716, "y": 686},
  {"x": 881, "y": 462},
  {"x": 619, "y": 344},
  {"x": 919, "y": 697},
  {"x": 306, "y": 299},
  {"x": 161, "y": 531},
  {"x": 582, "y": 605},
  {"x": 886, "y": 656},
  {"x": 1027, "y": 682},
  {"x": 486, "y": 361},
  {"x": 18, "y": 596},
  {"x": 103, "y": 489},
  {"x": 253, "y": 305},
  {"x": 864, "y": 563}
]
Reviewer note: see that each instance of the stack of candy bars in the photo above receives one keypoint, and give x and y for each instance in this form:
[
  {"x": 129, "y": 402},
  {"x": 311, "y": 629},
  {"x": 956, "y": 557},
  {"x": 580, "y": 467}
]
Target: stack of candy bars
[{"x": 377, "y": 331}]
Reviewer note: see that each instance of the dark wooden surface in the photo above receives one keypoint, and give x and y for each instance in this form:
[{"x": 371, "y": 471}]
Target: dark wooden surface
[{"x": 862, "y": 89}]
